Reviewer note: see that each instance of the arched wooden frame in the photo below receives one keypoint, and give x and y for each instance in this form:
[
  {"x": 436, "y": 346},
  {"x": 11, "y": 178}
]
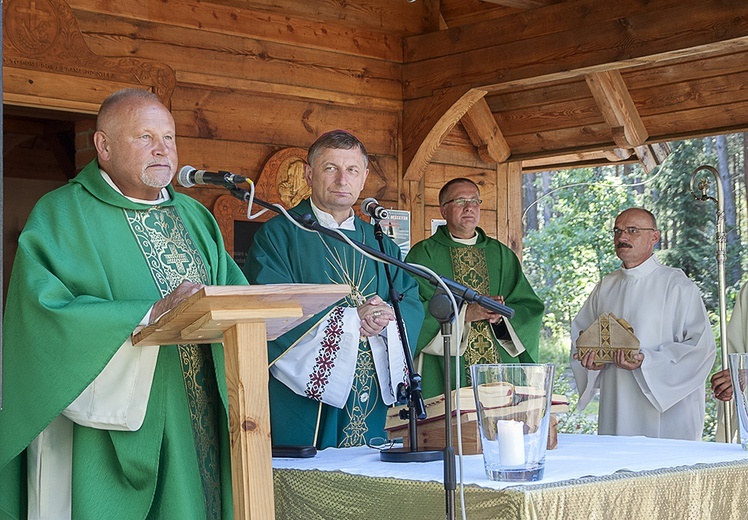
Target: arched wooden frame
[{"x": 281, "y": 181}]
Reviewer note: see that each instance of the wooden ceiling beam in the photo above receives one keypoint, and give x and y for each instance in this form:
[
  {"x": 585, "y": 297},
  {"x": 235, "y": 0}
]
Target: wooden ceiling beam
[
  {"x": 485, "y": 134},
  {"x": 559, "y": 161},
  {"x": 618, "y": 109},
  {"x": 652, "y": 155},
  {"x": 550, "y": 32},
  {"x": 618, "y": 154},
  {"x": 553, "y": 48},
  {"x": 522, "y": 4}
]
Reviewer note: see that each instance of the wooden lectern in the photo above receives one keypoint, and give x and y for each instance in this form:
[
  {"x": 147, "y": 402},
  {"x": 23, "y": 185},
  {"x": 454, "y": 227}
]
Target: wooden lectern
[{"x": 243, "y": 318}]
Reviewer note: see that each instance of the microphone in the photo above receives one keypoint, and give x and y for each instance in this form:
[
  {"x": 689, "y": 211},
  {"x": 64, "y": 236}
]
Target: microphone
[
  {"x": 372, "y": 208},
  {"x": 189, "y": 176}
]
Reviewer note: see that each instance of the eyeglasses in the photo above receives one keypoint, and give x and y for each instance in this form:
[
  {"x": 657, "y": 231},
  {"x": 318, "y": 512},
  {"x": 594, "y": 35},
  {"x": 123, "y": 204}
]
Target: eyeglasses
[
  {"x": 463, "y": 202},
  {"x": 631, "y": 230}
]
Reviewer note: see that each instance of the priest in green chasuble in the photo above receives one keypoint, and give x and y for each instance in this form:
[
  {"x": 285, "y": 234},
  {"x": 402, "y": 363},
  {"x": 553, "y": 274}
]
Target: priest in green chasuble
[
  {"x": 462, "y": 251},
  {"x": 91, "y": 426},
  {"x": 333, "y": 377}
]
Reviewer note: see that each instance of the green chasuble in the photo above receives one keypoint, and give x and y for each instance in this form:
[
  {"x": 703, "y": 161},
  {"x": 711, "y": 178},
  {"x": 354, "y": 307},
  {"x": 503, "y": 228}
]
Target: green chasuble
[
  {"x": 90, "y": 264},
  {"x": 488, "y": 267},
  {"x": 283, "y": 253}
]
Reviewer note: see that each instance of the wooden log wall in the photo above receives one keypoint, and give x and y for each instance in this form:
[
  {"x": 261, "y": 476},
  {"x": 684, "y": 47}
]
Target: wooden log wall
[
  {"x": 251, "y": 82},
  {"x": 253, "y": 78}
]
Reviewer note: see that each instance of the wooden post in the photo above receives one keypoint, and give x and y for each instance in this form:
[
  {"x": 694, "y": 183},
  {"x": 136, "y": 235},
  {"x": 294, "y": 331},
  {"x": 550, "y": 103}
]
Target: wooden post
[{"x": 249, "y": 420}]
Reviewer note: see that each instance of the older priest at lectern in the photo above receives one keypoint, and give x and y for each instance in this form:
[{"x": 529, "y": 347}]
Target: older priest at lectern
[
  {"x": 659, "y": 391},
  {"x": 93, "y": 427}
]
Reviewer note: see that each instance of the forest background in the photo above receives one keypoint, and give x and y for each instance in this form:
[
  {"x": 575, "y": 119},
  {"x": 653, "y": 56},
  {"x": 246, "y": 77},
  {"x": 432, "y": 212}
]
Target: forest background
[{"x": 568, "y": 245}]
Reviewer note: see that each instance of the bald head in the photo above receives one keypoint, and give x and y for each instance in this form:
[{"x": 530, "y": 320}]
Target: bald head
[
  {"x": 135, "y": 141},
  {"x": 642, "y": 213},
  {"x": 125, "y": 99},
  {"x": 635, "y": 236}
]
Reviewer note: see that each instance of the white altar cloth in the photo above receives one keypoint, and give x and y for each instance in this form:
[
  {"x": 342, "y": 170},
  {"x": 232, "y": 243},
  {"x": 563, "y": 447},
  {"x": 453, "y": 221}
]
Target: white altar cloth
[{"x": 577, "y": 456}]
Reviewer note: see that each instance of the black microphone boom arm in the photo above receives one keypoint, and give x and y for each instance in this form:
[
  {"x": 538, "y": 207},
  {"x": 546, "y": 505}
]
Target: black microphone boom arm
[{"x": 458, "y": 290}]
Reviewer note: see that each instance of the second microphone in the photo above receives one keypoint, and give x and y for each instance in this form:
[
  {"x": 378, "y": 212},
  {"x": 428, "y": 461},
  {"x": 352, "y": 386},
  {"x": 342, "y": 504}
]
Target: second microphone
[{"x": 372, "y": 208}]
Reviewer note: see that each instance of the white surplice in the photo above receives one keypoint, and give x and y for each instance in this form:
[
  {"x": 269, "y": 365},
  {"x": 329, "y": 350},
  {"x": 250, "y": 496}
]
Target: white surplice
[
  {"x": 294, "y": 368},
  {"x": 116, "y": 400},
  {"x": 665, "y": 397}
]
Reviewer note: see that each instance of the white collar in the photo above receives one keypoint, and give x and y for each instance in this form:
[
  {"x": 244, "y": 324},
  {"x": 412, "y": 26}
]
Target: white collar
[
  {"x": 643, "y": 269},
  {"x": 466, "y": 241},
  {"x": 163, "y": 196},
  {"x": 325, "y": 219}
]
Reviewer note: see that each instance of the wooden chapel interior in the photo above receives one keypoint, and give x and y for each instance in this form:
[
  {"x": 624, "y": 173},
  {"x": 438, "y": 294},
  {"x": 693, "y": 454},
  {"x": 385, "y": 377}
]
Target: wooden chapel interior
[{"x": 436, "y": 89}]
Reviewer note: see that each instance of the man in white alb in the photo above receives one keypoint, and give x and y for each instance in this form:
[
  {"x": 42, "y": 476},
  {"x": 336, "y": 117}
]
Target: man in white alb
[{"x": 661, "y": 393}]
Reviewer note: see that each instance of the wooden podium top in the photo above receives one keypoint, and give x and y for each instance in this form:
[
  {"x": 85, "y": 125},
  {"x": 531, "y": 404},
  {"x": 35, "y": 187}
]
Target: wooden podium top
[{"x": 204, "y": 316}]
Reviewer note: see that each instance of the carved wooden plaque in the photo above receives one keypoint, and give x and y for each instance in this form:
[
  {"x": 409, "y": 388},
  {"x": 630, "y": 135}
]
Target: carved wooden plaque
[
  {"x": 46, "y": 62},
  {"x": 281, "y": 182}
]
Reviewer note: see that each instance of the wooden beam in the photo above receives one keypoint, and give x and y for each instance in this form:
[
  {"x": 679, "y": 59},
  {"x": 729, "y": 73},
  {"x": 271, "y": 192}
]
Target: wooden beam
[
  {"x": 509, "y": 205},
  {"x": 557, "y": 162},
  {"x": 618, "y": 154},
  {"x": 522, "y": 4},
  {"x": 484, "y": 133},
  {"x": 325, "y": 25},
  {"x": 442, "y": 23},
  {"x": 554, "y": 48},
  {"x": 661, "y": 151},
  {"x": 514, "y": 207},
  {"x": 527, "y": 168},
  {"x": 646, "y": 157},
  {"x": 666, "y": 29},
  {"x": 617, "y": 107},
  {"x": 199, "y": 79},
  {"x": 550, "y": 32},
  {"x": 652, "y": 155}
]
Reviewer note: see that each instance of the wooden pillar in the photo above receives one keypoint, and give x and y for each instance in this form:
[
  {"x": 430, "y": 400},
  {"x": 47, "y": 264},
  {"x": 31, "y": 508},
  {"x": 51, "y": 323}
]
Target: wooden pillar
[
  {"x": 415, "y": 200},
  {"x": 509, "y": 205}
]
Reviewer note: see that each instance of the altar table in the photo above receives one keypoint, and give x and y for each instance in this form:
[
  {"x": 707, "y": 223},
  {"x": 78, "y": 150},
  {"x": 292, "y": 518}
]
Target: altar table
[{"x": 586, "y": 477}]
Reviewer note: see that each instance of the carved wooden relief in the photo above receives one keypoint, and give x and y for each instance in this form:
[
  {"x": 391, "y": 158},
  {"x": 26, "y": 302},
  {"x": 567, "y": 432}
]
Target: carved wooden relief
[
  {"x": 282, "y": 178},
  {"x": 46, "y": 62},
  {"x": 280, "y": 182}
]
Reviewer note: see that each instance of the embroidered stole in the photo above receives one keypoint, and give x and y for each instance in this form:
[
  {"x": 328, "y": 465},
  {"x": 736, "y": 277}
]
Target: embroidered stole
[
  {"x": 349, "y": 267},
  {"x": 173, "y": 257},
  {"x": 470, "y": 268}
]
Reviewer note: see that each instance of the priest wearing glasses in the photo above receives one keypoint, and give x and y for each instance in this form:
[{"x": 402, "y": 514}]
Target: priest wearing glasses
[
  {"x": 462, "y": 251},
  {"x": 659, "y": 392}
]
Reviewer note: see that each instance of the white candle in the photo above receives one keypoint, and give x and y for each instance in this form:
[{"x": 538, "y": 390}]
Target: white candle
[{"x": 510, "y": 435}]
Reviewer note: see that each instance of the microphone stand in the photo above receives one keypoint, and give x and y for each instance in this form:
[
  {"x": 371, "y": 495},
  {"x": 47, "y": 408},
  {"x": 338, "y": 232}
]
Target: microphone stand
[
  {"x": 441, "y": 309},
  {"x": 412, "y": 392},
  {"x": 460, "y": 292}
]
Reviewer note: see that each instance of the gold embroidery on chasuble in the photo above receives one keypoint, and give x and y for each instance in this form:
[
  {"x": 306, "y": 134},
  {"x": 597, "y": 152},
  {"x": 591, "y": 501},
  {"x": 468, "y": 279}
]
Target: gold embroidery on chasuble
[
  {"x": 470, "y": 268},
  {"x": 173, "y": 257},
  {"x": 349, "y": 267}
]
